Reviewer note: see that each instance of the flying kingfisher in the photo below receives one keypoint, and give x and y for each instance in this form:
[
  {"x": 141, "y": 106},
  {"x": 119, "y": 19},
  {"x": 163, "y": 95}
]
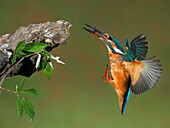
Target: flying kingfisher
[{"x": 129, "y": 71}]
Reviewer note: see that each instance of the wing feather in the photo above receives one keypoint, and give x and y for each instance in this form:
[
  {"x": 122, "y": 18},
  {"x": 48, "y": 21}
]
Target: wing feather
[
  {"x": 138, "y": 47},
  {"x": 148, "y": 77}
]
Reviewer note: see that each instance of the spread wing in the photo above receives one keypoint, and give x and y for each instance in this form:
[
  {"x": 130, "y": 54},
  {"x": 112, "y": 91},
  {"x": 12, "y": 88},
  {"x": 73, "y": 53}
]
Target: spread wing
[
  {"x": 138, "y": 47},
  {"x": 144, "y": 74}
]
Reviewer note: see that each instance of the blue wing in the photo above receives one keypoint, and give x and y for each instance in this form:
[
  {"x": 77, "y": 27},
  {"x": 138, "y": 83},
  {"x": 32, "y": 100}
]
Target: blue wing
[{"x": 137, "y": 49}]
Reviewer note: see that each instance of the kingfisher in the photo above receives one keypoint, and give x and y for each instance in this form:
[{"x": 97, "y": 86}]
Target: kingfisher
[{"x": 129, "y": 71}]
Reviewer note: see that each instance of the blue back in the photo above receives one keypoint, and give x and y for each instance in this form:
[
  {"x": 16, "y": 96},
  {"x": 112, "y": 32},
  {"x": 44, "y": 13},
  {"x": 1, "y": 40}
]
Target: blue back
[
  {"x": 129, "y": 56},
  {"x": 117, "y": 42}
]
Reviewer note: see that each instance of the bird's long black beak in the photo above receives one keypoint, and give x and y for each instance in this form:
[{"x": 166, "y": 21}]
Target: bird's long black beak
[{"x": 95, "y": 32}]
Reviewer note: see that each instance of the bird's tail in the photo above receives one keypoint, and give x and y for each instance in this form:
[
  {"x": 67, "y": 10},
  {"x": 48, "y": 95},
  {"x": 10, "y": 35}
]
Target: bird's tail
[{"x": 126, "y": 95}]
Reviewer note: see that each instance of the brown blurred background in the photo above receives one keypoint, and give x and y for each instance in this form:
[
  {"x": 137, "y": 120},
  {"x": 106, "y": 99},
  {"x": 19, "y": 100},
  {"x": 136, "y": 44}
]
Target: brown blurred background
[{"x": 76, "y": 96}]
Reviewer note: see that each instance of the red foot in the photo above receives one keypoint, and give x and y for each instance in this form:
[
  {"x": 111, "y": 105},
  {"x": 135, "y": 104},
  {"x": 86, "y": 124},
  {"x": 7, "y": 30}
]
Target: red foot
[{"x": 106, "y": 75}]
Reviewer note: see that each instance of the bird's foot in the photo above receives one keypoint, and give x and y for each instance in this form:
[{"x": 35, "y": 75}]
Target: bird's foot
[
  {"x": 106, "y": 75},
  {"x": 106, "y": 72}
]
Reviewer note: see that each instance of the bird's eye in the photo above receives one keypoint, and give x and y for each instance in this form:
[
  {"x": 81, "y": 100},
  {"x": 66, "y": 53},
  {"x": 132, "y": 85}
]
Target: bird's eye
[{"x": 107, "y": 36}]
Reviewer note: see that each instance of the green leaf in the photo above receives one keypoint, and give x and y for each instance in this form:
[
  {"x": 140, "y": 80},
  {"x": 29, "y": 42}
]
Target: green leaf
[
  {"x": 29, "y": 109},
  {"x": 51, "y": 65},
  {"x": 21, "y": 85},
  {"x": 15, "y": 57},
  {"x": 35, "y": 47},
  {"x": 38, "y": 61},
  {"x": 48, "y": 70},
  {"x": 43, "y": 63},
  {"x": 20, "y": 46},
  {"x": 17, "y": 89},
  {"x": 19, "y": 106},
  {"x": 23, "y": 53},
  {"x": 47, "y": 53},
  {"x": 29, "y": 92}
]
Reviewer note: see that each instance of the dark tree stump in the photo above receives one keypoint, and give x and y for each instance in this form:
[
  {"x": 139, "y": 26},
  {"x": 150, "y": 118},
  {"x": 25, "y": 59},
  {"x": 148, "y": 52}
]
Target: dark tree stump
[{"x": 52, "y": 33}]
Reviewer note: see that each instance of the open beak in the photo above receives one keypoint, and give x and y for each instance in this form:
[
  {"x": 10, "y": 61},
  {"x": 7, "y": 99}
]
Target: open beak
[
  {"x": 96, "y": 32},
  {"x": 104, "y": 37}
]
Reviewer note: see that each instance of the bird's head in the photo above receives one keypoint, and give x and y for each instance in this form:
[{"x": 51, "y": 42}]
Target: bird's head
[{"x": 105, "y": 37}]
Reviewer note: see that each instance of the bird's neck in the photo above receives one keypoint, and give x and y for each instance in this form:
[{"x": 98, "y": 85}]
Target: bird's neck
[{"x": 113, "y": 57}]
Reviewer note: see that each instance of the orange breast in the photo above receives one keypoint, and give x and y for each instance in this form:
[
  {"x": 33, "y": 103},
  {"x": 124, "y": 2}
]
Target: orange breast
[
  {"x": 118, "y": 72},
  {"x": 120, "y": 76}
]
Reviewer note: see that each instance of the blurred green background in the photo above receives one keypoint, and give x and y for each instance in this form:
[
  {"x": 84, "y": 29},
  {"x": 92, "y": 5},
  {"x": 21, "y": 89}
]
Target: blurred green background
[{"x": 76, "y": 96}]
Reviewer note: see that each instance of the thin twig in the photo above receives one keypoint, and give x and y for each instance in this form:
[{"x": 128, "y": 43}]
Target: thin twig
[
  {"x": 8, "y": 90},
  {"x": 9, "y": 70},
  {"x": 2, "y": 80}
]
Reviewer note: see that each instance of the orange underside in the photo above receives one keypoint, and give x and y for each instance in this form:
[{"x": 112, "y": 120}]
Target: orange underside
[{"x": 120, "y": 71}]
